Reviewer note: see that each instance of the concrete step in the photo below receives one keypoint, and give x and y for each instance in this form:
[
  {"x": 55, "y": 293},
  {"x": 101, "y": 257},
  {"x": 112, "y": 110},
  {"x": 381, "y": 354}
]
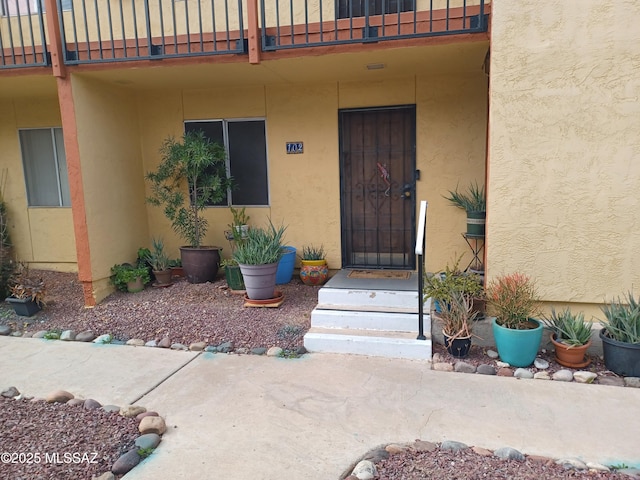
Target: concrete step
[
  {"x": 369, "y": 300},
  {"x": 384, "y": 321},
  {"x": 367, "y": 342}
]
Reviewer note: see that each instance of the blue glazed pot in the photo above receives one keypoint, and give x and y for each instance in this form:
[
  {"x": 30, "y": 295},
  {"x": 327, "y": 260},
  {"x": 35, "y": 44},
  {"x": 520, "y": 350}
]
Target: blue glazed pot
[
  {"x": 286, "y": 264},
  {"x": 517, "y": 347}
]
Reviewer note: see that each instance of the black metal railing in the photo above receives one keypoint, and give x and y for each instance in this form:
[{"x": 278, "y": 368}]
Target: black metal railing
[
  {"x": 310, "y": 23},
  {"x": 22, "y": 35},
  {"x": 115, "y": 30}
]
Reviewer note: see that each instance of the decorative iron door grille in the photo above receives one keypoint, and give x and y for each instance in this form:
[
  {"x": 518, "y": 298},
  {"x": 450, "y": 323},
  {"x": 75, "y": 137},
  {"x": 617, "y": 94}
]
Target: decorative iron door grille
[{"x": 377, "y": 171}]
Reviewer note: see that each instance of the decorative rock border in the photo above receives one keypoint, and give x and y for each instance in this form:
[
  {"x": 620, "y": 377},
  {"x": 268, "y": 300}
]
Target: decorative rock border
[
  {"x": 150, "y": 425},
  {"x": 365, "y": 467},
  {"x": 88, "y": 336},
  {"x": 536, "y": 372}
]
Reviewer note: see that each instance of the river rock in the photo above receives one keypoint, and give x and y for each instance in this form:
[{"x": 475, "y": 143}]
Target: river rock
[
  {"x": 542, "y": 376},
  {"x": 197, "y": 346},
  {"x": 225, "y": 347},
  {"x": 508, "y": 453},
  {"x": 492, "y": 354},
  {"x": 274, "y": 352},
  {"x": 453, "y": 446},
  {"x": 464, "y": 367},
  {"x": 164, "y": 343},
  {"x": 178, "y": 346},
  {"x": 68, "y": 335},
  {"x": 132, "y": 410},
  {"x": 563, "y": 375},
  {"x": 85, "y": 336},
  {"x": 633, "y": 382},
  {"x": 523, "y": 373},
  {"x": 126, "y": 462},
  {"x": 10, "y": 392},
  {"x": 5, "y": 330},
  {"x": 442, "y": 367},
  {"x": 424, "y": 446},
  {"x": 103, "y": 339},
  {"x": 135, "y": 342},
  {"x": 258, "y": 351},
  {"x": 41, "y": 334},
  {"x": 486, "y": 369},
  {"x": 365, "y": 470},
  {"x": 151, "y": 343},
  {"x": 148, "y": 440},
  {"x": 59, "y": 396},
  {"x": 540, "y": 363},
  {"x": 152, "y": 425},
  {"x": 500, "y": 364},
  {"x": 91, "y": 404},
  {"x": 611, "y": 381},
  {"x": 584, "y": 377},
  {"x": 572, "y": 463}
]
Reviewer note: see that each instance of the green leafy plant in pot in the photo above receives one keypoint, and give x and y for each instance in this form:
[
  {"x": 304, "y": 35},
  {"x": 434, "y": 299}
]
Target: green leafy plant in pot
[
  {"x": 160, "y": 262},
  {"x": 621, "y": 336},
  {"x": 191, "y": 176},
  {"x": 571, "y": 337},
  {"x": 514, "y": 301},
  {"x": 258, "y": 256},
  {"x": 130, "y": 278},
  {"x": 440, "y": 286},
  {"x": 473, "y": 201}
]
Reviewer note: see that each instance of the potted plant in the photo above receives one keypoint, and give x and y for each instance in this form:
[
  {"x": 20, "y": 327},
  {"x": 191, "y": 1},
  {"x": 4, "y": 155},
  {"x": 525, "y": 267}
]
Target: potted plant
[
  {"x": 258, "y": 256},
  {"x": 176, "y": 268},
  {"x": 313, "y": 266},
  {"x": 239, "y": 227},
  {"x": 571, "y": 337},
  {"x": 441, "y": 285},
  {"x": 457, "y": 318},
  {"x": 27, "y": 292},
  {"x": 159, "y": 262},
  {"x": 190, "y": 177},
  {"x": 473, "y": 201},
  {"x": 513, "y": 299},
  {"x": 233, "y": 275},
  {"x": 621, "y": 336},
  {"x": 130, "y": 278}
]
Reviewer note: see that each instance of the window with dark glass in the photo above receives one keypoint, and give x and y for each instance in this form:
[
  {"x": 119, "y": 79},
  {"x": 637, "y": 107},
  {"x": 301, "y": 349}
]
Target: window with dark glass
[{"x": 246, "y": 146}]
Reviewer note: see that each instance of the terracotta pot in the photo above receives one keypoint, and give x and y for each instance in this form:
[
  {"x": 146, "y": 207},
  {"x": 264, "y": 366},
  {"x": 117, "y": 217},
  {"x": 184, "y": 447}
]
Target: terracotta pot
[
  {"x": 163, "y": 277},
  {"x": 572, "y": 357}
]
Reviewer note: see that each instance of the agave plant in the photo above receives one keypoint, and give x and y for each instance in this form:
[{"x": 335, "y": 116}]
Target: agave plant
[
  {"x": 472, "y": 201},
  {"x": 623, "y": 319},
  {"x": 569, "y": 328}
]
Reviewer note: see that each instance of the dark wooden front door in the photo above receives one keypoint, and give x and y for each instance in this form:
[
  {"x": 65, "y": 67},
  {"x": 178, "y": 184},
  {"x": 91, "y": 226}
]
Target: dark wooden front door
[{"x": 377, "y": 170}]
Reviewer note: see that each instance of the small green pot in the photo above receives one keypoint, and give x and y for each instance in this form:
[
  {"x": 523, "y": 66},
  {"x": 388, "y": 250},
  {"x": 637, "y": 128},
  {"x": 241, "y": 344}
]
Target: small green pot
[{"x": 234, "y": 278}]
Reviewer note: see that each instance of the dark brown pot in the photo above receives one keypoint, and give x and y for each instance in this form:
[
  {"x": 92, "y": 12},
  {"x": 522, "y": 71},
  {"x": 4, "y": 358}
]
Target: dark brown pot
[
  {"x": 572, "y": 357},
  {"x": 200, "y": 264}
]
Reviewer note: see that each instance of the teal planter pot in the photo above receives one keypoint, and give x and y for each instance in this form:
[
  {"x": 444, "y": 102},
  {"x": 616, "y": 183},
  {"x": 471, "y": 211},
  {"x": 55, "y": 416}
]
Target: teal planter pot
[{"x": 517, "y": 347}]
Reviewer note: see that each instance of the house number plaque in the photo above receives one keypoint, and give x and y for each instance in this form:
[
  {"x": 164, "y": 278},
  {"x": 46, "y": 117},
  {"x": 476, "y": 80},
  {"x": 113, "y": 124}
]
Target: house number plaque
[{"x": 295, "y": 147}]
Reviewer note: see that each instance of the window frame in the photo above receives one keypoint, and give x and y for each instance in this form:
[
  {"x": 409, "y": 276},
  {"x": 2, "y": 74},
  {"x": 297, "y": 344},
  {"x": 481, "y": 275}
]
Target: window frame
[
  {"x": 56, "y": 161},
  {"x": 225, "y": 134}
]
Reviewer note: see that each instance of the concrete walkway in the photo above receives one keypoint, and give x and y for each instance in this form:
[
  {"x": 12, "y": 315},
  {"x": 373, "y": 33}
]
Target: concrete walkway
[{"x": 251, "y": 417}]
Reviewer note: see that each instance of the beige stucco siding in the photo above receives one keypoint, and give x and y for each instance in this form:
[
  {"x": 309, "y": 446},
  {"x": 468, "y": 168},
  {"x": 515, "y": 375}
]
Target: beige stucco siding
[
  {"x": 304, "y": 189},
  {"x": 112, "y": 175},
  {"x": 564, "y": 147},
  {"x": 42, "y": 237}
]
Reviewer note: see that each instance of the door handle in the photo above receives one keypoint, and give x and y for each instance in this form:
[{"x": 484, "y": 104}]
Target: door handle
[{"x": 407, "y": 191}]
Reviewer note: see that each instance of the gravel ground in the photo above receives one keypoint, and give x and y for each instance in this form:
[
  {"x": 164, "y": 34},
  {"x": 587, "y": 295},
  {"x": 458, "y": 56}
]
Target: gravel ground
[
  {"x": 207, "y": 312},
  {"x": 58, "y": 441},
  {"x": 468, "y": 465},
  {"x": 184, "y": 312}
]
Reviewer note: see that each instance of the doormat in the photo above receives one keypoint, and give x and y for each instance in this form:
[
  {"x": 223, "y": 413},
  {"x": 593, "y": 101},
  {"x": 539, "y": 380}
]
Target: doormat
[{"x": 383, "y": 274}]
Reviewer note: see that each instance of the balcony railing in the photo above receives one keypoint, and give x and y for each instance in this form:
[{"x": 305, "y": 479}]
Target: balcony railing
[
  {"x": 22, "y": 34},
  {"x": 312, "y": 23},
  {"x": 94, "y": 31},
  {"x": 115, "y": 30}
]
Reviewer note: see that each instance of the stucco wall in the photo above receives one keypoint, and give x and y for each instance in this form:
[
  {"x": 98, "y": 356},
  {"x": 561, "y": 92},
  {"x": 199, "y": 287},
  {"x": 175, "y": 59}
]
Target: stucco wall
[
  {"x": 41, "y": 236},
  {"x": 305, "y": 188},
  {"x": 564, "y": 147},
  {"x": 112, "y": 176}
]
